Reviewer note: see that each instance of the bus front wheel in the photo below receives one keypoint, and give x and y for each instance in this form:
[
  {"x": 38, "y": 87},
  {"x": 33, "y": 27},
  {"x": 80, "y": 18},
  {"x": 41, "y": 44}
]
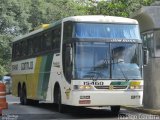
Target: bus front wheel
[
  {"x": 115, "y": 110},
  {"x": 60, "y": 106}
]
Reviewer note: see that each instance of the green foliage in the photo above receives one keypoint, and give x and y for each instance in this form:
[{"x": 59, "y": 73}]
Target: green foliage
[
  {"x": 118, "y": 7},
  {"x": 5, "y": 54},
  {"x": 46, "y": 11},
  {"x": 13, "y": 17}
]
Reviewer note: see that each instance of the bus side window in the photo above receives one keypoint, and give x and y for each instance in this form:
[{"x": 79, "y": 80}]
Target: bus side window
[
  {"x": 13, "y": 51},
  {"x": 37, "y": 45},
  {"x": 48, "y": 41},
  {"x": 53, "y": 40},
  {"x": 56, "y": 38},
  {"x": 34, "y": 46},
  {"x": 43, "y": 42},
  {"x": 17, "y": 50},
  {"x": 24, "y": 48},
  {"x": 30, "y": 47}
]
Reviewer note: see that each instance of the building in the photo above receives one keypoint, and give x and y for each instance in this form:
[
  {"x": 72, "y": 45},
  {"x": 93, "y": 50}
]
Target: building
[{"x": 149, "y": 20}]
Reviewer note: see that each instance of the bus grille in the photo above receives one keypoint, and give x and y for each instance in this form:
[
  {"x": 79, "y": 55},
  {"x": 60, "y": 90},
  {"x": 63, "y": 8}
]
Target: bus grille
[{"x": 108, "y": 87}]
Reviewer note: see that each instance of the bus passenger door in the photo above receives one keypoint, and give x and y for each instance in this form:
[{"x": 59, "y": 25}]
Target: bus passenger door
[
  {"x": 55, "y": 75},
  {"x": 67, "y": 62},
  {"x": 67, "y": 70}
]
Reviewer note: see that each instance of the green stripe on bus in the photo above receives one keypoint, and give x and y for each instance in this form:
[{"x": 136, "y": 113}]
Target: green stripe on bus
[
  {"x": 44, "y": 75},
  {"x": 120, "y": 83},
  {"x": 36, "y": 77}
]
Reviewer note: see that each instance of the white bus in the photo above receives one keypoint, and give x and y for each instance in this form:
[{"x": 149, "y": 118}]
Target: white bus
[{"x": 80, "y": 61}]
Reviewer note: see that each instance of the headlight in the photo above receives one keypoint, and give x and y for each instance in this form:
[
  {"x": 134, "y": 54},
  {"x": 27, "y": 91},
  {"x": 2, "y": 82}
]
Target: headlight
[
  {"x": 135, "y": 85},
  {"x": 83, "y": 87}
]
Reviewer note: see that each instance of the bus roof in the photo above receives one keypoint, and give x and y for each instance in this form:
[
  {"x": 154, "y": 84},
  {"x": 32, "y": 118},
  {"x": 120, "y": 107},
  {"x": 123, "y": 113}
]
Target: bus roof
[
  {"x": 87, "y": 18},
  {"x": 38, "y": 30},
  {"x": 101, "y": 18}
]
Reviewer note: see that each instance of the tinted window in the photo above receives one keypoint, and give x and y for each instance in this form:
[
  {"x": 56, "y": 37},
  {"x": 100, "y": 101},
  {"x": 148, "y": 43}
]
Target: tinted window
[
  {"x": 110, "y": 31},
  {"x": 38, "y": 44},
  {"x": 67, "y": 32}
]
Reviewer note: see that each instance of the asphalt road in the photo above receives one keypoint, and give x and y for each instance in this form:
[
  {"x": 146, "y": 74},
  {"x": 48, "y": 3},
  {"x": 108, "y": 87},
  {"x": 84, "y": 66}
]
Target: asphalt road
[{"x": 47, "y": 111}]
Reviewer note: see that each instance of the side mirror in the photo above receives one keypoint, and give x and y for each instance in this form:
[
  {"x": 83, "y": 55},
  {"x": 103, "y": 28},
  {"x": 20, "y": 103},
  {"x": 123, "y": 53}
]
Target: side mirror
[{"x": 145, "y": 56}]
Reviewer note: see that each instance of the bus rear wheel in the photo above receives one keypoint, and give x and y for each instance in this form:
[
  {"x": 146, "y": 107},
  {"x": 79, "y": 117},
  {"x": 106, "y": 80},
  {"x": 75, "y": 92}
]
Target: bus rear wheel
[
  {"x": 23, "y": 96},
  {"x": 32, "y": 102},
  {"x": 115, "y": 110}
]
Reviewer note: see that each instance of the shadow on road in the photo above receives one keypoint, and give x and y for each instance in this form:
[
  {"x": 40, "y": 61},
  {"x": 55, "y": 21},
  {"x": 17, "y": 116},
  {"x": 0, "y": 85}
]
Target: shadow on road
[
  {"x": 44, "y": 111},
  {"x": 79, "y": 112}
]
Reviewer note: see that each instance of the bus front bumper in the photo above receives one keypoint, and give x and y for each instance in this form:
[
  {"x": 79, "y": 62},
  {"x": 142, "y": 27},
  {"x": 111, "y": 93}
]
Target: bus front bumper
[{"x": 106, "y": 98}]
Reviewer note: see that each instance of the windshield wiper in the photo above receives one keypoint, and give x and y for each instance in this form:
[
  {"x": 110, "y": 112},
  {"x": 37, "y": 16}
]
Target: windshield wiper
[
  {"x": 123, "y": 73},
  {"x": 121, "y": 70}
]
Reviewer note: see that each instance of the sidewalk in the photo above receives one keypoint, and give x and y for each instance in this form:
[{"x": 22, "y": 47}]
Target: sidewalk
[{"x": 143, "y": 110}]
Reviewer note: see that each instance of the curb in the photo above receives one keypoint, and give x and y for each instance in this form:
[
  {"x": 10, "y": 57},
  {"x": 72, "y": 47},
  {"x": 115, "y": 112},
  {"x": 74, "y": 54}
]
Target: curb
[{"x": 143, "y": 110}]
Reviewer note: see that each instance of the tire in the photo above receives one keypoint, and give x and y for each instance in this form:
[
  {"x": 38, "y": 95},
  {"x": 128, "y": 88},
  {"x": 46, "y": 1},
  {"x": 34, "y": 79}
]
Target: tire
[
  {"x": 115, "y": 109},
  {"x": 59, "y": 100},
  {"x": 32, "y": 102},
  {"x": 23, "y": 96},
  {"x": 19, "y": 90}
]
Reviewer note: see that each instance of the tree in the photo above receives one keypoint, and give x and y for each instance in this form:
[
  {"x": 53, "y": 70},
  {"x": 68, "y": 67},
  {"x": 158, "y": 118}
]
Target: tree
[
  {"x": 13, "y": 17},
  {"x": 47, "y": 11},
  {"x": 5, "y": 54},
  {"x": 118, "y": 7},
  {"x": 13, "y": 22}
]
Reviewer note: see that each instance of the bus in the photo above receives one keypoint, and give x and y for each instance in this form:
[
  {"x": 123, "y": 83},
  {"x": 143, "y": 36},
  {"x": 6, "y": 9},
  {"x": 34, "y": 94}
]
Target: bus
[{"x": 87, "y": 61}]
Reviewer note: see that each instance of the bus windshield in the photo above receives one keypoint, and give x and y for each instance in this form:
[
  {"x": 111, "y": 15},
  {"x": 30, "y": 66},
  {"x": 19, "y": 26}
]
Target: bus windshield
[
  {"x": 106, "y": 30},
  {"x": 107, "y": 61}
]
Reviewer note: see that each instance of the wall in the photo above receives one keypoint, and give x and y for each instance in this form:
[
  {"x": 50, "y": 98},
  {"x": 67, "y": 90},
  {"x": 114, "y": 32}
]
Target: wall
[{"x": 149, "y": 20}]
